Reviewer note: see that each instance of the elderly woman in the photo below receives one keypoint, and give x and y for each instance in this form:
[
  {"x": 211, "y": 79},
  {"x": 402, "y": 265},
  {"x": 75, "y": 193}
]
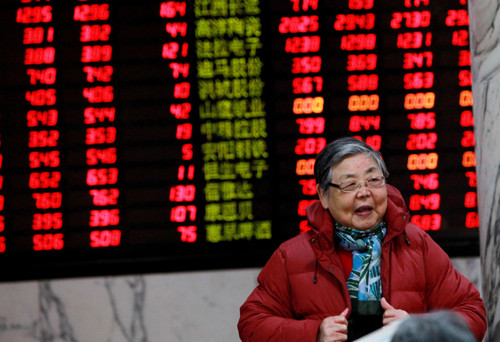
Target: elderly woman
[{"x": 362, "y": 264}]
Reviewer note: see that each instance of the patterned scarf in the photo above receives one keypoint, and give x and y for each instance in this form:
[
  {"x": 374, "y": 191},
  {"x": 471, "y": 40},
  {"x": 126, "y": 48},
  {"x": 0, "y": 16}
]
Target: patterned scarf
[{"x": 364, "y": 282}]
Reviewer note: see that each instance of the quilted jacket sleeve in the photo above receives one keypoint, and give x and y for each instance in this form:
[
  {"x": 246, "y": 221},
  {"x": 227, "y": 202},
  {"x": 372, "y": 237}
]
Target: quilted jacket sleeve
[
  {"x": 447, "y": 288},
  {"x": 266, "y": 316}
]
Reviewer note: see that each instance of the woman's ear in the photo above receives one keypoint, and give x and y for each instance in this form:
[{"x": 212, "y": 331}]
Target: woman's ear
[{"x": 322, "y": 197}]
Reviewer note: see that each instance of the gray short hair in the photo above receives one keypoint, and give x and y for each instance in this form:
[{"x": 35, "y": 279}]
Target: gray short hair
[
  {"x": 338, "y": 150},
  {"x": 438, "y": 326}
]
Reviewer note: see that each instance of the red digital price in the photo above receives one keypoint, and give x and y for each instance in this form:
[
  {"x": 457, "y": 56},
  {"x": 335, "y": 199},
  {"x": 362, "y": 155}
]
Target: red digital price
[
  {"x": 308, "y": 186},
  {"x": 306, "y": 85},
  {"x": 180, "y": 110},
  {"x": 302, "y": 44},
  {"x": 419, "y": 80},
  {"x": 188, "y": 233},
  {"x": 358, "y": 123},
  {"x": 464, "y": 58},
  {"x": 472, "y": 220},
  {"x": 171, "y": 50},
  {"x": 416, "y": 3},
  {"x": 307, "y": 64},
  {"x": 98, "y": 115},
  {"x": 363, "y": 102},
  {"x": 48, "y": 200},
  {"x": 465, "y": 99},
  {"x": 47, "y": 221},
  {"x": 375, "y": 141},
  {"x": 427, "y": 202},
  {"x": 420, "y": 100},
  {"x": 170, "y": 9},
  {"x": 421, "y": 141},
  {"x": 309, "y": 146},
  {"x": 100, "y": 74},
  {"x": 36, "y": 35},
  {"x": 175, "y": 29},
  {"x": 43, "y": 138},
  {"x": 411, "y": 19},
  {"x": 182, "y": 90},
  {"x": 460, "y": 38},
  {"x": 45, "y": 55},
  {"x": 47, "y": 242},
  {"x": 182, "y": 213},
  {"x": 100, "y": 155},
  {"x": 305, "y": 167},
  {"x": 429, "y": 182},
  {"x": 104, "y": 197},
  {"x": 413, "y": 60},
  {"x": 300, "y": 24},
  {"x": 187, "y": 151},
  {"x": 182, "y": 193},
  {"x": 466, "y": 119},
  {"x": 357, "y": 42},
  {"x": 44, "y": 180},
  {"x": 465, "y": 78},
  {"x": 361, "y": 62},
  {"x": 427, "y": 222},
  {"x": 469, "y": 159},
  {"x": 102, "y": 176},
  {"x": 413, "y": 40},
  {"x": 184, "y": 131},
  {"x": 91, "y": 12},
  {"x": 105, "y": 238},
  {"x": 99, "y": 94},
  {"x": 471, "y": 175},
  {"x": 422, "y": 161},
  {"x": 96, "y": 53},
  {"x": 44, "y": 159},
  {"x": 93, "y": 33},
  {"x": 179, "y": 69},
  {"x": 422, "y": 120},
  {"x": 360, "y": 4},
  {"x": 457, "y": 18},
  {"x": 33, "y": 15},
  {"x": 308, "y": 105},
  {"x": 306, "y": 5},
  {"x": 44, "y": 76},
  {"x": 311, "y": 125},
  {"x": 470, "y": 200},
  {"x": 351, "y": 22},
  {"x": 100, "y": 135},
  {"x": 303, "y": 204},
  {"x": 103, "y": 218},
  {"x": 362, "y": 82},
  {"x": 184, "y": 172},
  {"x": 468, "y": 139},
  {"x": 41, "y": 97},
  {"x": 42, "y": 117}
]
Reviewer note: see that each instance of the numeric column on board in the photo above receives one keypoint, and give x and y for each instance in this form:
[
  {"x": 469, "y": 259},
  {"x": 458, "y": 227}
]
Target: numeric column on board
[
  {"x": 42, "y": 123},
  {"x": 414, "y": 37},
  {"x": 182, "y": 195},
  {"x": 99, "y": 117}
]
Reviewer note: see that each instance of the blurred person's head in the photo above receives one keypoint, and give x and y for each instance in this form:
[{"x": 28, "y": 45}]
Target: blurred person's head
[{"x": 438, "y": 326}]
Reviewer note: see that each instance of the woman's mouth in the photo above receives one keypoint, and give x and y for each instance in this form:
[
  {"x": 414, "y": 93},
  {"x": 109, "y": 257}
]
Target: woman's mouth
[{"x": 364, "y": 210}]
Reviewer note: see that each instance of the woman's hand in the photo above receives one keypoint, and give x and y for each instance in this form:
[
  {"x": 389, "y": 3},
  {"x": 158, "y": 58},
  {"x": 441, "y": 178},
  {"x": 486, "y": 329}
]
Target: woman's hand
[
  {"x": 333, "y": 328},
  {"x": 390, "y": 313}
]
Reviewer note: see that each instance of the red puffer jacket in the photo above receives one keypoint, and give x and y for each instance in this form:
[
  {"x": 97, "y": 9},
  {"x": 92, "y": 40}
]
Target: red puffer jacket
[{"x": 303, "y": 282}]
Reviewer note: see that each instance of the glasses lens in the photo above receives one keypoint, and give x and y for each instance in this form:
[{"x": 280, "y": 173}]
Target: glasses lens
[
  {"x": 348, "y": 187},
  {"x": 376, "y": 182}
]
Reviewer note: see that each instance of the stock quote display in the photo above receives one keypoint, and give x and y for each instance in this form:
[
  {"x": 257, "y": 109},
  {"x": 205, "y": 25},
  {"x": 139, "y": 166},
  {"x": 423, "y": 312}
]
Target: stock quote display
[{"x": 157, "y": 136}]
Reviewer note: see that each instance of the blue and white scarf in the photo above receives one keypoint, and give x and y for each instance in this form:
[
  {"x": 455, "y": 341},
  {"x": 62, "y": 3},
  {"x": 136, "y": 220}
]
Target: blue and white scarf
[{"x": 364, "y": 282}]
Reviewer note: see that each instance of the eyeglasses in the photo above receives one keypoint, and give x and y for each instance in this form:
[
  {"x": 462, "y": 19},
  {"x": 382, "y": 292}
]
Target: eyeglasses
[{"x": 372, "y": 183}]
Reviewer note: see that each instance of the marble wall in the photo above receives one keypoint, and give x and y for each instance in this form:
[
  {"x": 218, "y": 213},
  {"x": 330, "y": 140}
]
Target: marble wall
[
  {"x": 178, "y": 307},
  {"x": 485, "y": 57}
]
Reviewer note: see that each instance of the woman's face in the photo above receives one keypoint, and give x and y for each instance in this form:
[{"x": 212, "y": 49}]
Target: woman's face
[{"x": 362, "y": 209}]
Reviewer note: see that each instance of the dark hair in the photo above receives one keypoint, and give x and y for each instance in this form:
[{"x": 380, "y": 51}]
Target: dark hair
[
  {"x": 438, "y": 326},
  {"x": 335, "y": 152}
]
